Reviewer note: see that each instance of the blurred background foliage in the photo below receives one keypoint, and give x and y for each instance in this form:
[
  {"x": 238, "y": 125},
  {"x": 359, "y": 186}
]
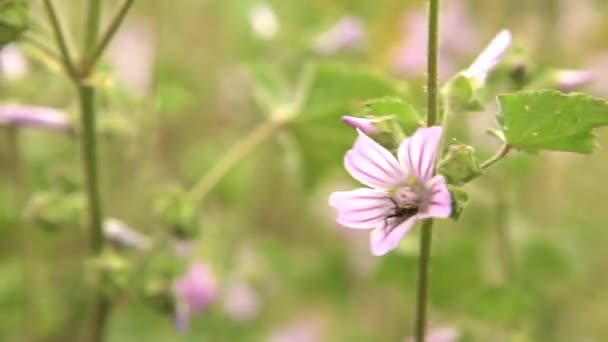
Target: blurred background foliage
[{"x": 185, "y": 80}]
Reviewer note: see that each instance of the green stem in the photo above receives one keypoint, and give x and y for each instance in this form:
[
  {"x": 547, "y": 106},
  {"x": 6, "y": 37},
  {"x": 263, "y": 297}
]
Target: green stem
[
  {"x": 86, "y": 94},
  {"x": 96, "y": 53},
  {"x": 431, "y": 120},
  {"x": 237, "y": 152},
  {"x": 93, "y": 19},
  {"x": 60, "y": 39},
  {"x": 504, "y": 150}
]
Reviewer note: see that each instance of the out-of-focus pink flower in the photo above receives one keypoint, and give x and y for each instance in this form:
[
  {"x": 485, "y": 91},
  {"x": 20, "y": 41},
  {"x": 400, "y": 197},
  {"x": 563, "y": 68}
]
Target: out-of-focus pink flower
[
  {"x": 366, "y": 125},
  {"x": 570, "y": 80},
  {"x": 132, "y": 55},
  {"x": 34, "y": 116},
  {"x": 598, "y": 64},
  {"x": 458, "y": 38},
  {"x": 242, "y": 302},
  {"x": 439, "y": 335},
  {"x": 346, "y": 33},
  {"x": 403, "y": 190},
  {"x": 264, "y": 21},
  {"x": 13, "y": 65},
  {"x": 489, "y": 57},
  {"x": 303, "y": 330},
  {"x": 194, "y": 292}
]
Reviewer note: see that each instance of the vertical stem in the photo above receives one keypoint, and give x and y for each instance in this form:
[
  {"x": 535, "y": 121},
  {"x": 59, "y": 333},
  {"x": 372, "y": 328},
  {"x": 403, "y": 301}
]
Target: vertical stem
[
  {"x": 86, "y": 94},
  {"x": 101, "y": 304},
  {"x": 431, "y": 120}
]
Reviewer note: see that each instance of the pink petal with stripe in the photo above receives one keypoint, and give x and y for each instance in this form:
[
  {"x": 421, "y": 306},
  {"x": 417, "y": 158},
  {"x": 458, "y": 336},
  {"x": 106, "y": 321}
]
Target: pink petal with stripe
[
  {"x": 417, "y": 154},
  {"x": 373, "y": 165},
  {"x": 361, "y": 208},
  {"x": 384, "y": 239}
]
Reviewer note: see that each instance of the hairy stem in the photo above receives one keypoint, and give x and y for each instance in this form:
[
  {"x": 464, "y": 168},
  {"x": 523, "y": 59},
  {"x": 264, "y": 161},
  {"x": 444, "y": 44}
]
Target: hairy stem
[
  {"x": 504, "y": 150},
  {"x": 237, "y": 152},
  {"x": 431, "y": 120}
]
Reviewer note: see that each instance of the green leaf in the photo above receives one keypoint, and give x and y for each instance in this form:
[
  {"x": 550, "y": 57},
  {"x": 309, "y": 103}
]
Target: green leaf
[
  {"x": 459, "y": 164},
  {"x": 550, "y": 120},
  {"x": 271, "y": 87},
  {"x": 13, "y": 20},
  {"x": 460, "y": 200},
  {"x": 407, "y": 116},
  {"x": 320, "y": 135}
]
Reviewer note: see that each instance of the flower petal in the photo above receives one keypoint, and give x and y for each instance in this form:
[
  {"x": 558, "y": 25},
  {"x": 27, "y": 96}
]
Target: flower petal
[
  {"x": 489, "y": 57},
  {"x": 373, "y": 165},
  {"x": 440, "y": 204},
  {"x": 384, "y": 239},
  {"x": 417, "y": 154},
  {"x": 361, "y": 208}
]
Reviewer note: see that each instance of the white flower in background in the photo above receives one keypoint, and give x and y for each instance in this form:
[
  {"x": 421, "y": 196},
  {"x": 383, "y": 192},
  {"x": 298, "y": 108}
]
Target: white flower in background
[
  {"x": 264, "y": 22},
  {"x": 122, "y": 235},
  {"x": 489, "y": 57},
  {"x": 13, "y": 65},
  {"x": 132, "y": 55}
]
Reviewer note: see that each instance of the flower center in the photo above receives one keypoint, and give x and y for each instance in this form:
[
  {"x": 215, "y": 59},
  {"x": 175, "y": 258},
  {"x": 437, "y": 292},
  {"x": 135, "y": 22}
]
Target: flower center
[{"x": 411, "y": 196}]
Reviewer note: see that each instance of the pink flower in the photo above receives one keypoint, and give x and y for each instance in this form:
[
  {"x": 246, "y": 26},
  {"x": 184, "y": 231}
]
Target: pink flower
[
  {"x": 403, "y": 190},
  {"x": 347, "y": 33},
  {"x": 242, "y": 302},
  {"x": 571, "y": 79},
  {"x": 368, "y": 126},
  {"x": 33, "y": 116},
  {"x": 194, "y": 292}
]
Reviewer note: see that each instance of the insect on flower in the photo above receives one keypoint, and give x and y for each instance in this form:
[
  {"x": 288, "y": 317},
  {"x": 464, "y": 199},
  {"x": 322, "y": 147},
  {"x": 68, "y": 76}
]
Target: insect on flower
[{"x": 401, "y": 190}]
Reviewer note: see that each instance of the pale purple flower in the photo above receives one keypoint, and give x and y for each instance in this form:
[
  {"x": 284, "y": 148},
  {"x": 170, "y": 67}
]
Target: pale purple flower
[
  {"x": 33, "y": 116},
  {"x": 570, "y": 80},
  {"x": 446, "y": 334},
  {"x": 346, "y": 33},
  {"x": 457, "y": 33},
  {"x": 194, "y": 292},
  {"x": 367, "y": 125},
  {"x": 402, "y": 190},
  {"x": 242, "y": 302},
  {"x": 13, "y": 65},
  {"x": 489, "y": 57}
]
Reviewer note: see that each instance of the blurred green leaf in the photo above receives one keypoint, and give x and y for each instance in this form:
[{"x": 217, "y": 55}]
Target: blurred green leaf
[
  {"x": 271, "y": 87},
  {"x": 544, "y": 261},
  {"x": 550, "y": 120},
  {"x": 494, "y": 303},
  {"x": 321, "y": 136},
  {"x": 13, "y": 20},
  {"x": 178, "y": 211}
]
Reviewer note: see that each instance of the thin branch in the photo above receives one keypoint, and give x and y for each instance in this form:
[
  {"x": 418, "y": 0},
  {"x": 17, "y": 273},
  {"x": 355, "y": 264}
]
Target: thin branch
[
  {"x": 91, "y": 60},
  {"x": 60, "y": 38}
]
